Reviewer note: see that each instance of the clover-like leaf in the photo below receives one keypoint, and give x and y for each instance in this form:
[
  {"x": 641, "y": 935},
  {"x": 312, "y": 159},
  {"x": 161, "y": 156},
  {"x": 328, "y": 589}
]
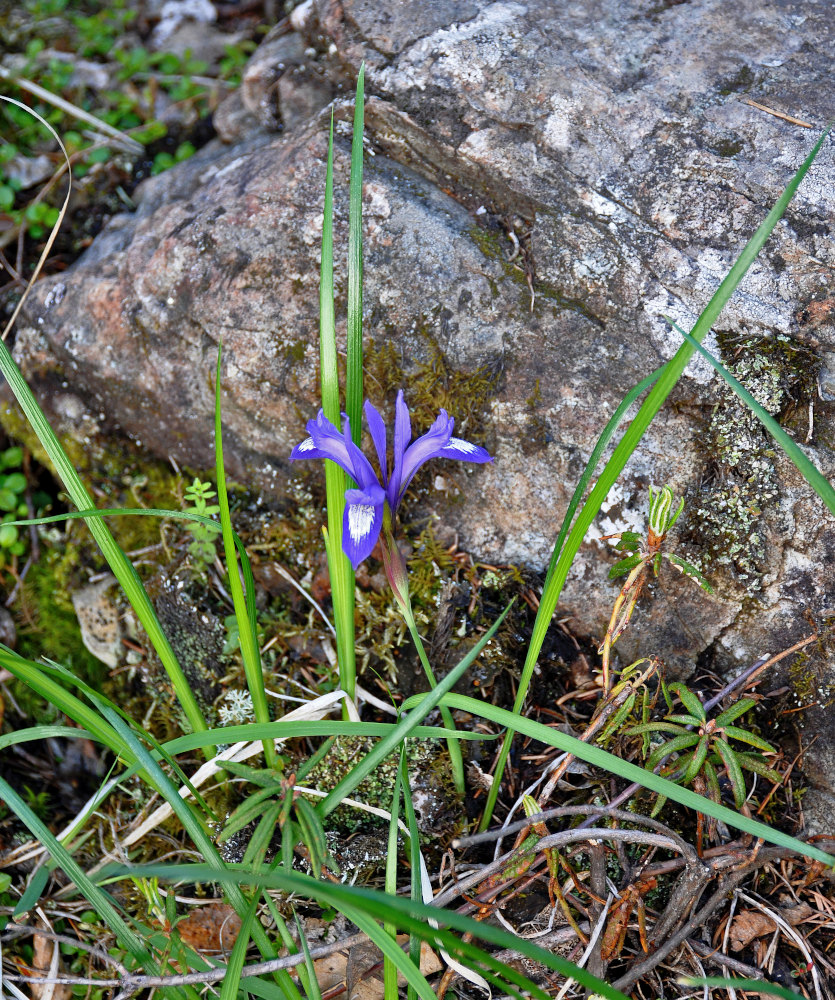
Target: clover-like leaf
[
  {"x": 672, "y": 746},
  {"x": 685, "y": 720},
  {"x": 624, "y": 566},
  {"x": 655, "y": 727},
  {"x": 712, "y": 781},
  {"x": 629, "y": 541},
  {"x": 697, "y": 761},
  {"x": 753, "y": 762},
  {"x": 683, "y": 566}
]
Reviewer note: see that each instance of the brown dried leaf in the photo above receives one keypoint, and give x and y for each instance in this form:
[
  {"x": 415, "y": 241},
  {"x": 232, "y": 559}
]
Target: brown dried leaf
[
  {"x": 46, "y": 962},
  {"x": 334, "y": 970},
  {"x": 212, "y": 928},
  {"x": 751, "y": 924}
]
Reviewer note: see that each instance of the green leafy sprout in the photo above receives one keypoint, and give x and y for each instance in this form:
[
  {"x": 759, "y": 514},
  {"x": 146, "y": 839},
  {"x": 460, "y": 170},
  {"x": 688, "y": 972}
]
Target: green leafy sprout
[
  {"x": 699, "y": 746},
  {"x": 204, "y": 536}
]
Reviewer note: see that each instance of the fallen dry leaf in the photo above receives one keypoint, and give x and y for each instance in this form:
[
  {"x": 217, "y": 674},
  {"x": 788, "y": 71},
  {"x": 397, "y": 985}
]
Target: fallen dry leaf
[
  {"x": 751, "y": 924},
  {"x": 46, "y": 962},
  {"x": 212, "y": 928},
  {"x": 333, "y": 971}
]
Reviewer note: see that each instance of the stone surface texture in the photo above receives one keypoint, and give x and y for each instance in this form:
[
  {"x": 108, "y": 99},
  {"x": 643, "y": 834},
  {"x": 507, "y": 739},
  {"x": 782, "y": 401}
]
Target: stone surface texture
[{"x": 548, "y": 181}]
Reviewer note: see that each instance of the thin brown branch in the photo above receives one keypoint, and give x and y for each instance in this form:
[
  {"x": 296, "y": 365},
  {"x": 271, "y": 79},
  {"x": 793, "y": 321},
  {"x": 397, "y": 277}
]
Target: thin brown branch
[{"x": 133, "y": 983}]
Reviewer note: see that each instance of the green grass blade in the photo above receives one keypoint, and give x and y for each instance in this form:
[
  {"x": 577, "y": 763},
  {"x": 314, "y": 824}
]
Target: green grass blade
[
  {"x": 244, "y": 613},
  {"x": 289, "y": 985},
  {"x": 353, "y": 376},
  {"x": 339, "y": 568},
  {"x": 423, "y": 706},
  {"x": 415, "y": 917},
  {"x": 414, "y": 857},
  {"x": 119, "y": 563},
  {"x": 390, "y": 991},
  {"x": 757, "y": 987},
  {"x": 598, "y": 757},
  {"x": 819, "y": 483},
  {"x": 199, "y": 835},
  {"x": 96, "y": 896},
  {"x": 299, "y": 729},
  {"x": 35, "y": 676},
  {"x": 615, "y": 421},
  {"x": 311, "y": 983},
  {"x": 232, "y": 979},
  {"x": 670, "y": 374},
  {"x": 44, "y": 733}
]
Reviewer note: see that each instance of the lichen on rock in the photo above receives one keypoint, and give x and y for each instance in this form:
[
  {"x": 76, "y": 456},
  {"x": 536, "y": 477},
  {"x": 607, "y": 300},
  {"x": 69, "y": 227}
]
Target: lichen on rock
[{"x": 730, "y": 513}]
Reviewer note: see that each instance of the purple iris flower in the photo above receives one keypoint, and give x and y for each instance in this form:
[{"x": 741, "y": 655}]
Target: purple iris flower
[{"x": 365, "y": 505}]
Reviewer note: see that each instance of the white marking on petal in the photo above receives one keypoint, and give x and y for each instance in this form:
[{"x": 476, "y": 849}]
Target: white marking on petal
[
  {"x": 307, "y": 445},
  {"x": 360, "y": 520},
  {"x": 460, "y": 445}
]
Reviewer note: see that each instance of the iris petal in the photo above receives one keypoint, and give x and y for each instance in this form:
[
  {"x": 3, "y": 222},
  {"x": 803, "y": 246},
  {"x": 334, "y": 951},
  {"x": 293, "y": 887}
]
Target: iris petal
[
  {"x": 378, "y": 435},
  {"x": 325, "y": 441},
  {"x": 465, "y": 450},
  {"x": 361, "y": 469},
  {"x": 362, "y": 522},
  {"x": 428, "y": 445},
  {"x": 402, "y": 436}
]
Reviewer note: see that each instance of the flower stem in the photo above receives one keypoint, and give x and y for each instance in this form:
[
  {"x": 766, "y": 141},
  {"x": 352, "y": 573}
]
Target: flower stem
[{"x": 398, "y": 579}]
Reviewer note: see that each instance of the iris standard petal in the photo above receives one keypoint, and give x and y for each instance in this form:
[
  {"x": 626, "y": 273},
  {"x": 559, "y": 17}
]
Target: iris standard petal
[
  {"x": 465, "y": 450},
  {"x": 378, "y": 435},
  {"x": 428, "y": 445},
  {"x": 402, "y": 436},
  {"x": 362, "y": 522},
  {"x": 361, "y": 469}
]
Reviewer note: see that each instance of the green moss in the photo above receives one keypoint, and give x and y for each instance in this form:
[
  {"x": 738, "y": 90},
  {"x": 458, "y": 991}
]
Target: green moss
[
  {"x": 728, "y": 147},
  {"x": 431, "y": 384},
  {"x": 432, "y": 789},
  {"x": 116, "y": 472},
  {"x": 742, "y": 80}
]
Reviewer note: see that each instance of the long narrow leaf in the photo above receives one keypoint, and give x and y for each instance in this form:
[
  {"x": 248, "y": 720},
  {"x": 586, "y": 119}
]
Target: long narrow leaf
[
  {"x": 244, "y": 614},
  {"x": 423, "y": 706},
  {"x": 353, "y": 368},
  {"x": 670, "y": 374},
  {"x": 757, "y": 987},
  {"x": 117, "y": 560},
  {"x": 819, "y": 483},
  {"x": 416, "y": 918},
  {"x": 96, "y": 896},
  {"x": 389, "y": 968},
  {"x": 631, "y": 772},
  {"x": 339, "y": 567}
]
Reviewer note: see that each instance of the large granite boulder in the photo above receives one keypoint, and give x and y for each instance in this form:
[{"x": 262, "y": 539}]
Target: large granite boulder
[{"x": 544, "y": 182}]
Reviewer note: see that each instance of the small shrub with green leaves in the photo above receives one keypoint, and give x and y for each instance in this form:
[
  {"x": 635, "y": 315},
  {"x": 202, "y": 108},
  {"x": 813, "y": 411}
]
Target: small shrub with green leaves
[
  {"x": 699, "y": 746},
  {"x": 204, "y": 536}
]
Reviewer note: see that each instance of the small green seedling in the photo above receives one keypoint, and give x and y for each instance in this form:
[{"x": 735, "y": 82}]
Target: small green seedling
[
  {"x": 700, "y": 749},
  {"x": 204, "y": 536},
  {"x": 13, "y": 504},
  {"x": 643, "y": 554}
]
